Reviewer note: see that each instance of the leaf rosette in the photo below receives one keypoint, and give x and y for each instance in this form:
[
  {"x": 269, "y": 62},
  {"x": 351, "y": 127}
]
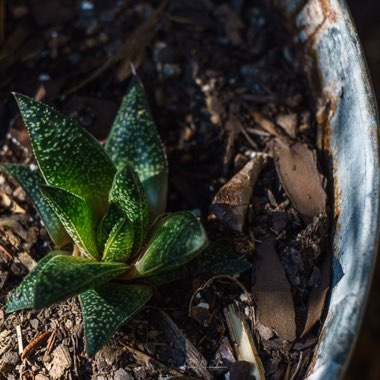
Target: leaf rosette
[{"x": 104, "y": 199}]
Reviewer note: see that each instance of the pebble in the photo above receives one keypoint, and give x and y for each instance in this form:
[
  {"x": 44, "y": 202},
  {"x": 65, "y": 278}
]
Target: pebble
[
  {"x": 10, "y": 357},
  {"x": 121, "y": 374}
]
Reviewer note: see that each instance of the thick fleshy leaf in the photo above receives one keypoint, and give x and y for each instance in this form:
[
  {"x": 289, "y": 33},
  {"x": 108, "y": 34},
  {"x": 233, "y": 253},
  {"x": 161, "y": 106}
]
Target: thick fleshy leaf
[
  {"x": 30, "y": 180},
  {"x": 66, "y": 276},
  {"x": 113, "y": 216},
  {"x": 219, "y": 260},
  {"x": 119, "y": 245},
  {"x": 69, "y": 157},
  {"x": 128, "y": 194},
  {"x": 134, "y": 139},
  {"x": 23, "y": 296},
  {"x": 77, "y": 218},
  {"x": 105, "y": 308},
  {"x": 176, "y": 239}
]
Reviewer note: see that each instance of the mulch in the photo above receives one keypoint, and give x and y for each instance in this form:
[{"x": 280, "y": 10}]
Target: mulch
[{"x": 235, "y": 115}]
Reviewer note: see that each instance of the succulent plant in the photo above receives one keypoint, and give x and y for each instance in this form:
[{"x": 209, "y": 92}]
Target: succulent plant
[{"x": 109, "y": 201}]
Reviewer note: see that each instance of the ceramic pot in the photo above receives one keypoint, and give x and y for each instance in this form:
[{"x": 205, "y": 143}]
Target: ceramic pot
[{"x": 346, "y": 113}]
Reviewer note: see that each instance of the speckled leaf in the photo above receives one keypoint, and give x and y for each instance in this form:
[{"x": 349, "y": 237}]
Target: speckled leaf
[
  {"x": 176, "y": 239},
  {"x": 76, "y": 216},
  {"x": 134, "y": 139},
  {"x": 66, "y": 276},
  {"x": 219, "y": 260},
  {"x": 128, "y": 194},
  {"x": 23, "y": 296},
  {"x": 68, "y": 156},
  {"x": 30, "y": 180},
  {"x": 113, "y": 216},
  {"x": 105, "y": 308},
  {"x": 119, "y": 245}
]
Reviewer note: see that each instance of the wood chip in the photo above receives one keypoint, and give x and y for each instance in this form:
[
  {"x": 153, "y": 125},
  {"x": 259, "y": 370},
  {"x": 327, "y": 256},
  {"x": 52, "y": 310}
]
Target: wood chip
[
  {"x": 296, "y": 166},
  {"x": 194, "y": 359},
  {"x": 232, "y": 200},
  {"x": 272, "y": 293},
  {"x": 265, "y": 124},
  {"x": 288, "y": 122}
]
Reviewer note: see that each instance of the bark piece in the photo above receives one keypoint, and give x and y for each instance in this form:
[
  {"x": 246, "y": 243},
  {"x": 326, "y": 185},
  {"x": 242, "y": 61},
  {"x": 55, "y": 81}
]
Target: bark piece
[
  {"x": 194, "y": 359},
  {"x": 272, "y": 293},
  {"x": 317, "y": 297},
  {"x": 232, "y": 200},
  {"x": 296, "y": 167}
]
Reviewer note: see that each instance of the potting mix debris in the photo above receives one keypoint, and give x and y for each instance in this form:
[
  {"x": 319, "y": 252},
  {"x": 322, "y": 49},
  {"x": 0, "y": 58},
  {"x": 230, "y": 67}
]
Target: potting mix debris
[{"x": 233, "y": 108}]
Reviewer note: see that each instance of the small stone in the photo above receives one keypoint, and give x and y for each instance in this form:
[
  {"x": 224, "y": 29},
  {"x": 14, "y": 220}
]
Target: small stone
[
  {"x": 61, "y": 361},
  {"x": 41, "y": 377},
  {"x": 140, "y": 373},
  {"x": 34, "y": 323},
  {"x": 121, "y": 374},
  {"x": 10, "y": 357}
]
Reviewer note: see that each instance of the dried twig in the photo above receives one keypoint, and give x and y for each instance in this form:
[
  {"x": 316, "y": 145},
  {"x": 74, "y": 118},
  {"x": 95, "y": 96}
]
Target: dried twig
[{"x": 19, "y": 340}]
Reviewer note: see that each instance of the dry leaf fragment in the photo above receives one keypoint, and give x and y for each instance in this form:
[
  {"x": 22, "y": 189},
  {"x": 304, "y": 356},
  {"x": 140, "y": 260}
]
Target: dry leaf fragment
[
  {"x": 296, "y": 167},
  {"x": 272, "y": 293},
  {"x": 232, "y": 200},
  {"x": 317, "y": 297}
]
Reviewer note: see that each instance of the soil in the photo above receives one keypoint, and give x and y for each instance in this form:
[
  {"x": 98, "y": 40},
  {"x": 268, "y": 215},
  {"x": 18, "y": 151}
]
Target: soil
[{"x": 234, "y": 111}]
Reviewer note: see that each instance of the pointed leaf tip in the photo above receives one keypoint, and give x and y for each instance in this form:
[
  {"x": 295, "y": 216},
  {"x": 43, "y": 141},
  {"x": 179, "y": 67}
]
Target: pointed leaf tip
[
  {"x": 176, "y": 239},
  {"x": 134, "y": 138},
  {"x": 23, "y": 296},
  {"x": 105, "y": 308},
  {"x": 69, "y": 157}
]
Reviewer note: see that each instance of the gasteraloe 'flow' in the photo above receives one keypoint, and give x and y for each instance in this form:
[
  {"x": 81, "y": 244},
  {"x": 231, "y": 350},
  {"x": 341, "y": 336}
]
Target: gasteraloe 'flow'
[{"x": 105, "y": 199}]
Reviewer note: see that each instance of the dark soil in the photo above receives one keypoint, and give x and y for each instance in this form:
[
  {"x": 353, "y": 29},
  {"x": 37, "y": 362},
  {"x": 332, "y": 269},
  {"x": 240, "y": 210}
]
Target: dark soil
[{"x": 224, "y": 88}]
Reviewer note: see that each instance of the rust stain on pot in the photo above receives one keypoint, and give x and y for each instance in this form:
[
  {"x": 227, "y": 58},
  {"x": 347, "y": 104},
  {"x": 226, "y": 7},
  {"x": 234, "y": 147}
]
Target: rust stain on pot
[{"x": 313, "y": 20}]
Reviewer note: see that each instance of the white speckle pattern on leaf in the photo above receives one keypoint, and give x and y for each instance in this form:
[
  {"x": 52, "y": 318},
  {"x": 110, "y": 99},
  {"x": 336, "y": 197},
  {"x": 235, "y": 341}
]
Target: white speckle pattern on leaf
[
  {"x": 105, "y": 308},
  {"x": 23, "y": 296},
  {"x": 68, "y": 156},
  {"x": 66, "y": 276},
  {"x": 176, "y": 239},
  {"x": 134, "y": 139},
  {"x": 77, "y": 218},
  {"x": 128, "y": 194},
  {"x": 119, "y": 245}
]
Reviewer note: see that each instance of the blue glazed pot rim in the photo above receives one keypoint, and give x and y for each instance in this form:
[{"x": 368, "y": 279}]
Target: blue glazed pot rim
[{"x": 351, "y": 129}]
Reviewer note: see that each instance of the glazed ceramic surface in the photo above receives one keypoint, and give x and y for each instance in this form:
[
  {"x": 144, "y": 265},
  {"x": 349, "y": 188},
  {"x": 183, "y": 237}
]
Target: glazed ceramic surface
[{"x": 347, "y": 113}]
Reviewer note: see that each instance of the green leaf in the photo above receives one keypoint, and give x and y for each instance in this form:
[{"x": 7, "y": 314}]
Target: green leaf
[
  {"x": 69, "y": 157},
  {"x": 176, "y": 239},
  {"x": 113, "y": 216},
  {"x": 134, "y": 139},
  {"x": 30, "y": 180},
  {"x": 76, "y": 216},
  {"x": 23, "y": 296},
  {"x": 219, "y": 260},
  {"x": 119, "y": 245},
  {"x": 66, "y": 276},
  {"x": 106, "y": 308},
  {"x": 128, "y": 194}
]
